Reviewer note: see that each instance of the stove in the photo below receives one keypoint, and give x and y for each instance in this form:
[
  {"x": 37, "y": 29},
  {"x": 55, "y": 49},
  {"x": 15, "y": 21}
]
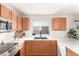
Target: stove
[{"x": 9, "y": 49}]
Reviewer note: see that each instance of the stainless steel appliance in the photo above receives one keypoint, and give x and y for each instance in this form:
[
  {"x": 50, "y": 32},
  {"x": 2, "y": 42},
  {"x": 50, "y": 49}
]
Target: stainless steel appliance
[
  {"x": 5, "y": 25},
  {"x": 9, "y": 49}
]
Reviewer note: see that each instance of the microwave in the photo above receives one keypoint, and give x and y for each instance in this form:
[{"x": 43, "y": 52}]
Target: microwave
[{"x": 5, "y": 25}]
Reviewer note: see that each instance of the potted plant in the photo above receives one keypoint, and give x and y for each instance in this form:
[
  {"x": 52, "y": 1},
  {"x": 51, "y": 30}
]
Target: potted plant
[{"x": 72, "y": 34}]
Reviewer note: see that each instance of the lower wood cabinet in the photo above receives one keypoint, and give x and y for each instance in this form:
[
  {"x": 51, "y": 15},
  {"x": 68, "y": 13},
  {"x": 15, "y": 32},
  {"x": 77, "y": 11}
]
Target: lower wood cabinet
[
  {"x": 39, "y": 48},
  {"x": 69, "y": 52},
  {"x": 23, "y": 49}
]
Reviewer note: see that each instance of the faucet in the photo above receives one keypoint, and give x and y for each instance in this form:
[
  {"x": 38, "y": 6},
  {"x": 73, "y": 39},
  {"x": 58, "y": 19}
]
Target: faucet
[{"x": 40, "y": 34}]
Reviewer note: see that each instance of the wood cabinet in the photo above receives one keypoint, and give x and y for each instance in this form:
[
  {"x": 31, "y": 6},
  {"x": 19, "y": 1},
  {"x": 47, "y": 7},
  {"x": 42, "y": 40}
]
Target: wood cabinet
[
  {"x": 69, "y": 52},
  {"x": 19, "y": 23},
  {"x": 23, "y": 49},
  {"x": 25, "y": 23},
  {"x": 39, "y": 48},
  {"x": 59, "y": 24},
  {"x": 14, "y": 21},
  {"x": 5, "y": 12}
]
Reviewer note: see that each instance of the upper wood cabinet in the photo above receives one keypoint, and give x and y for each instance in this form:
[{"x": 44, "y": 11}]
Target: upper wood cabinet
[
  {"x": 19, "y": 23},
  {"x": 59, "y": 24},
  {"x": 5, "y": 12},
  {"x": 25, "y": 23},
  {"x": 14, "y": 21}
]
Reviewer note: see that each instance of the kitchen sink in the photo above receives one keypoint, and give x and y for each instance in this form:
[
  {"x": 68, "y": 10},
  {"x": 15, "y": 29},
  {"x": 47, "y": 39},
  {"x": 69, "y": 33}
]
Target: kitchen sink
[
  {"x": 6, "y": 46},
  {"x": 40, "y": 38}
]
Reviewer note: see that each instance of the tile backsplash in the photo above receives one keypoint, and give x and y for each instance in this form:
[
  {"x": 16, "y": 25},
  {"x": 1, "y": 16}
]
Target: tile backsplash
[{"x": 5, "y": 37}]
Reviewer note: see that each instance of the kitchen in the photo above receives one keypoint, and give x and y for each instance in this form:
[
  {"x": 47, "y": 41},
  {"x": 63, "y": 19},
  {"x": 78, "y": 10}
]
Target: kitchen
[{"x": 38, "y": 29}]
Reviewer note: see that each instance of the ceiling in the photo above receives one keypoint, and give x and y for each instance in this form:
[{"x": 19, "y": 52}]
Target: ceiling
[{"x": 44, "y": 8}]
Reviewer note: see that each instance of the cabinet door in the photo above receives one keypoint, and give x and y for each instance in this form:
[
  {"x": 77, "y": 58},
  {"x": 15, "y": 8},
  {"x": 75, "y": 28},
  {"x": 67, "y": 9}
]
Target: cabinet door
[
  {"x": 23, "y": 50},
  {"x": 28, "y": 49},
  {"x": 55, "y": 24},
  {"x": 19, "y": 23},
  {"x": 25, "y": 23},
  {"x": 10, "y": 15},
  {"x": 41, "y": 48},
  {"x": 5, "y": 12},
  {"x": 14, "y": 21},
  {"x": 69, "y": 52},
  {"x": 53, "y": 48},
  {"x": 62, "y": 23},
  {"x": 59, "y": 23}
]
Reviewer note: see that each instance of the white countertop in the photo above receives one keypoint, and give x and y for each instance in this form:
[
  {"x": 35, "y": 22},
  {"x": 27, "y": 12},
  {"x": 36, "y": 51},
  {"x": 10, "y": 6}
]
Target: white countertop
[{"x": 72, "y": 44}]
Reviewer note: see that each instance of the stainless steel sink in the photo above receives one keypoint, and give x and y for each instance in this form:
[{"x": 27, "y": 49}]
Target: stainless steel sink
[
  {"x": 40, "y": 38},
  {"x": 4, "y": 47}
]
